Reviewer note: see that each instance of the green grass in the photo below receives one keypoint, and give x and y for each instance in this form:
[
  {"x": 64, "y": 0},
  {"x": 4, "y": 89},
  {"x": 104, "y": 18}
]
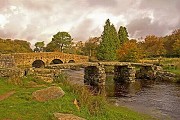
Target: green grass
[{"x": 21, "y": 105}]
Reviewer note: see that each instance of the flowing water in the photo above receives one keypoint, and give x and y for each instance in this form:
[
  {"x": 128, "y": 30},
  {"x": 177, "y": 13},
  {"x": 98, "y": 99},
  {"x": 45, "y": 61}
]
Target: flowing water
[{"x": 159, "y": 99}]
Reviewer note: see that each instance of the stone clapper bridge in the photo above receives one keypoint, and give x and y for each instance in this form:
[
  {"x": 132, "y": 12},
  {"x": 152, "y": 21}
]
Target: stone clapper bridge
[{"x": 94, "y": 72}]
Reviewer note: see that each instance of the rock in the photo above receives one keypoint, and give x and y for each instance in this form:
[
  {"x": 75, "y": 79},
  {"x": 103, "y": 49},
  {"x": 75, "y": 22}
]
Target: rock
[
  {"x": 49, "y": 93},
  {"x": 166, "y": 76},
  {"x": 61, "y": 116}
]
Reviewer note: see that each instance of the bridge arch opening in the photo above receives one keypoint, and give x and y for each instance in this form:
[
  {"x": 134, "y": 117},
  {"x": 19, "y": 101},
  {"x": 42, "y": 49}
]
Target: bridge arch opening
[
  {"x": 38, "y": 64},
  {"x": 56, "y": 61},
  {"x": 71, "y": 61}
]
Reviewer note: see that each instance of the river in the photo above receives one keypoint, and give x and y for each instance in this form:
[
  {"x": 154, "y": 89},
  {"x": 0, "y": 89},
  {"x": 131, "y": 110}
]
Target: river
[{"x": 158, "y": 99}]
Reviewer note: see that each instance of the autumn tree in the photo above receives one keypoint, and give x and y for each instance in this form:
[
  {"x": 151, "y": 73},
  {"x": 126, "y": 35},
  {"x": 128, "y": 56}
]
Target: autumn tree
[
  {"x": 90, "y": 47},
  {"x": 154, "y": 46},
  {"x": 123, "y": 35},
  {"x": 78, "y": 47},
  {"x": 108, "y": 44},
  {"x": 39, "y": 46},
  {"x": 60, "y": 41},
  {"x": 169, "y": 42},
  {"x": 129, "y": 52}
]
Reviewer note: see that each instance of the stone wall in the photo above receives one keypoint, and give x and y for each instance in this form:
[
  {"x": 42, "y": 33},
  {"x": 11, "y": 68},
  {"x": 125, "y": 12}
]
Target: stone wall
[
  {"x": 9, "y": 72},
  {"x": 6, "y": 61}
]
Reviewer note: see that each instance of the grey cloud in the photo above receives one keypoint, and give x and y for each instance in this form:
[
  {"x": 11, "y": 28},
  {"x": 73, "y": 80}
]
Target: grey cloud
[
  {"x": 144, "y": 26},
  {"x": 83, "y": 30}
]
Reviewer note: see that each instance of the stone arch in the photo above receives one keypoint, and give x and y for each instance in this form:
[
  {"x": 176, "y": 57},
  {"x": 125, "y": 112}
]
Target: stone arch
[
  {"x": 38, "y": 64},
  {"x": 56, "y": 61},
  {"x": 71, "y": 61}
]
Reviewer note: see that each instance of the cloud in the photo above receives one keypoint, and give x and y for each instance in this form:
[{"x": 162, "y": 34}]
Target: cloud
[
  {"x": 41, "y": 19},
  {"x": 159, "y": 17},
  {"x": 144, "y": 26}
]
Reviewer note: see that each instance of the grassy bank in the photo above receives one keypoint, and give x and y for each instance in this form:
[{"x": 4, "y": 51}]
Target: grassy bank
[{"x": 21, "y": 105}]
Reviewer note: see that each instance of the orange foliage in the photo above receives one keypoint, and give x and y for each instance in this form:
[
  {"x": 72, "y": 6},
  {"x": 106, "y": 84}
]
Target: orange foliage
[{"x": 129, "y": 52}]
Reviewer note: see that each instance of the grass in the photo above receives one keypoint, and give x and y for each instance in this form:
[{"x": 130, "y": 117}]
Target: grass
[{"x": 21, "y": 105}]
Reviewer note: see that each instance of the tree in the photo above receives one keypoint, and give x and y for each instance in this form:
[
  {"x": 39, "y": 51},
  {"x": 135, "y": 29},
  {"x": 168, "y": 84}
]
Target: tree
[
  {"x": 39, "y": 46},
  {"x": 123, "y": 35},
  {"x": 61, "y": 41},
  {"x": 108, "y": 44},
  {"x": 176, "y": 48},
  {"x": 14, "y": 46},
  {"x": 169, "y": 42},
  {"x": 129, "y": 52},
  {"x": 90, "y": 47},
  {"x": 154, "y": 46}
]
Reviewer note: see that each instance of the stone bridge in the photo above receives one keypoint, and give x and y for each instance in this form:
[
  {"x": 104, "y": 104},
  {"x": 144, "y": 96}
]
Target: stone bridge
[
  {"x": 95, "y": 73},
  {"x": 39, "y": 59}
]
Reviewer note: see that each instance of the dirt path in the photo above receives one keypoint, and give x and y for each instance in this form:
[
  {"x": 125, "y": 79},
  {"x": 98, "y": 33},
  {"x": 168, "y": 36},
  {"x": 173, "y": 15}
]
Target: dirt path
[{"x": 6, "y": 95}]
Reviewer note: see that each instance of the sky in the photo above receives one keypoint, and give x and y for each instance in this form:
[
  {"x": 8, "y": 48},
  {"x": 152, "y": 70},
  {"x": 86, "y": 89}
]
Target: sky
[{"x": 39, "y": 20}]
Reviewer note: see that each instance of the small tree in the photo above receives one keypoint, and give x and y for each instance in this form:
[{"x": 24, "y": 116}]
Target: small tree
[
  {"x": 39, "y": 46},
  {"x": 123, "y": 35}
]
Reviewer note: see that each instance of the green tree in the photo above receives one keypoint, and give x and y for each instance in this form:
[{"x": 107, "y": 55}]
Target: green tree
[
  {"x": 108, "y": 44},
  {"x": 14, "y": 46},
  {"x": 123, "y": 35},
  {"x": 61, "y": 41},
  {"x": 39, "y": 46}
]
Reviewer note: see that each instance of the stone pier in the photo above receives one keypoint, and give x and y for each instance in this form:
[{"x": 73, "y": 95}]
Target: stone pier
[
  {"x": 146, "y": 72},
  {"x": 124, "y": 73},
  {"x": 95, "y": 76}
]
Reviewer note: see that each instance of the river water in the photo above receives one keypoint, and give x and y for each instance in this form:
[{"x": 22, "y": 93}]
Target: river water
[{"x": 159, "y": 99}]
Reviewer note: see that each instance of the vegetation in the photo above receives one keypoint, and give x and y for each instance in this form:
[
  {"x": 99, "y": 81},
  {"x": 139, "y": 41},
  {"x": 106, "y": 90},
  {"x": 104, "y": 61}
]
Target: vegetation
[
  {"x": 60, "y": 42},
  {"x": 129, "y": 52},
  {"x": 109, "y": 43},
  {"x": 123, "y": 35},
  {"x": 14, "y": 46},
  {"x": 39, "y": 46},
  {"x": 21, "y": 105}
]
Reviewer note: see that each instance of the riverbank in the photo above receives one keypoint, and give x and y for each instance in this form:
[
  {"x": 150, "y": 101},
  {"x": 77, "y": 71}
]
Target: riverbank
[
  {"x": 168, "y": 64},
  {"x": 21, "y": 104}
]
